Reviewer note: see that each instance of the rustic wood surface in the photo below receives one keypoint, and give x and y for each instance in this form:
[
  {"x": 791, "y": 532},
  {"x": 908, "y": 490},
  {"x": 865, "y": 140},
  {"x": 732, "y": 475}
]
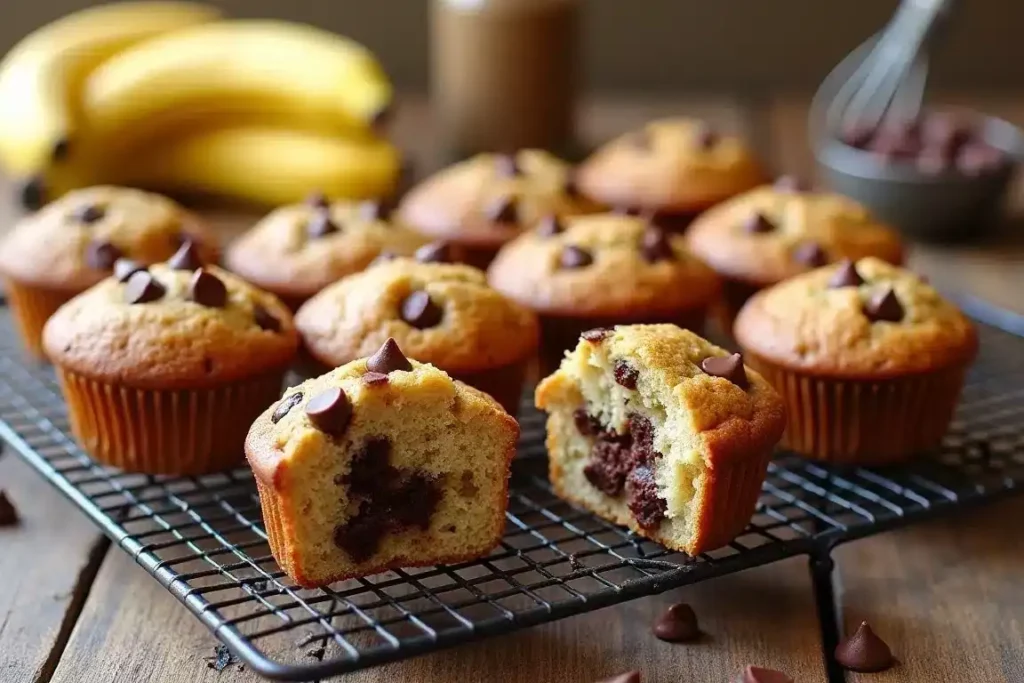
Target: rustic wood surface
[{"x": 945, "y": 594}]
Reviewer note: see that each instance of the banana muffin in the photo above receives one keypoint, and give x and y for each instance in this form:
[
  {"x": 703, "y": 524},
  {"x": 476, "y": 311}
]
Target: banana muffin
[
  {"x": 654, "y": 428},
  {"x": 777, "y": 231},
  {"x": 164, "y": 368},
  {"x": 482, "y": 203},
  {"x": 600, "y": 270},
  {"x": 72, "y": 243},
  {"x": 298, "y": 250},
  {"x": 440, "y": 313},
  {"x": 869, "y": 359},
  {"x": 382, "y": 463},
  {"x": 670, "y": 170}
]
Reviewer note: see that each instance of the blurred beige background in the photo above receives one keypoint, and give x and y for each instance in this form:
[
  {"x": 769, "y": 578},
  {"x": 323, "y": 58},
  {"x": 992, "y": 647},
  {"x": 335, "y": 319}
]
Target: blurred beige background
[{"x": 659, "y": 45}]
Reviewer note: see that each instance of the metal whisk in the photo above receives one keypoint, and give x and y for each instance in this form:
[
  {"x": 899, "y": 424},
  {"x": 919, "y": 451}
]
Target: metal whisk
[{"x": 884, "y": 78}]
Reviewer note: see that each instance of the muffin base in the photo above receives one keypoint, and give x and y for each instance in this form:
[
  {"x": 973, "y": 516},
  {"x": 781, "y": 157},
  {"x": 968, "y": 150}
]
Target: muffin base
[
  {"x": 863, "y": 422},
  {"x": 153, "y": 431},
  {"x": 32, "y": 307}
]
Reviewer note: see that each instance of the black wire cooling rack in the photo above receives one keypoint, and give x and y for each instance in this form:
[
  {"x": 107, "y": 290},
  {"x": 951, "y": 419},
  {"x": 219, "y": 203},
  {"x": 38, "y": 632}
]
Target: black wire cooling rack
[{"x": 202, "y": 537}]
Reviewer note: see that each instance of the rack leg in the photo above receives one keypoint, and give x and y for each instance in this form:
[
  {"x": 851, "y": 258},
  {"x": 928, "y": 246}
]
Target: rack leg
[{"x": 821, "y": 566}]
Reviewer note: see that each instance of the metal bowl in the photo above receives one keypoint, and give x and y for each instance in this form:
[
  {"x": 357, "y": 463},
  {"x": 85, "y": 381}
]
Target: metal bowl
[{"x": 941, "y": 207}]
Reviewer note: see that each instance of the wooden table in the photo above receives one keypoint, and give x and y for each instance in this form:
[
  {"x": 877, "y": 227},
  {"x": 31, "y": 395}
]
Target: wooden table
[{"x": 946, "y": 595}]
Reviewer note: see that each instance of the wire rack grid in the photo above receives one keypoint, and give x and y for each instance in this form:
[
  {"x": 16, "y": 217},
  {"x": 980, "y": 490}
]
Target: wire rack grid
[{"x": 203, "y": 539}]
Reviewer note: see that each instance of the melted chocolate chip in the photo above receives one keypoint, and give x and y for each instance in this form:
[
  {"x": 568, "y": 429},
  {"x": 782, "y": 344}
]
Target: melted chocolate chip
[
  {"x": 757, "y": 223},
  {"x": 597, "y": 334},
  {"x": 864, "y": 651},
  {"x": 757, "y": 674},
  {"x": 610, "y": 463},
  {"x": 642, "y": 432},
  {"x": 89, "y": 213},
  {"x": 790, "y": 183},
  {"x": 655, "y": 245},
  {"x": 206, "y": 289},
  {"x": 727, "y": 367},
  {"x": 143, "y": 288},
  {"x": 419, "y": 496},
  {"x": 625, "y": 374},
  {"x": 503, "y": 210},
  {"x": 846, "y": 275},
  {"x": 549, "y": 226},
  {"x": 102, "y": 255},
  {"x": 124, "y": 268},
  {"x": 330, "y": 411},
  {"x": 647, "y": 506},
  {"x": 371, "y": 466},
  {"x": 60, "y": 149},
  {"x": 575, "y": 257},
  {"x": 706, "y": 137},
  {"x": 585, "y": 423},
  {"x": 388, "y": 358},
  {"x": 884, "y": 305},
  {"x": 374, "y": 378},
  {"x": 678, "y": 624},
  {"x": 507, "y": 166},
  {"x": 420, "y": 311},
  {"x": 285, "y": 406},
  {"x": 435, "y": 252},
  {"x": 32, "y": 193},
  {"x": 360, "y": 537},
  {"x": 321, "y": 225},
  {"x": 628, "y": 677},
  {"x": 8, "y": 513},
  {"x": 810, "y": 254},
  {"x": 265, "y": 320},
  {"x": 187, "y": 257}
]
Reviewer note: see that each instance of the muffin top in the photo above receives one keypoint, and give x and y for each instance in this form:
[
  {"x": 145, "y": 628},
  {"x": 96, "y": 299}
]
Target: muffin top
[
  {"x": 439, "y": 313},
  {"x": 169, "y": 327},
  {"x": 602, "y": 265},
  {"x": 868, "y": 319},
  {"x": 777, "y": 231},
  {"x": 487, "y": 200},
  {"x": 351, "y": 396},
  {"x": 72, "y": 243},
  {"x": 676, "y": 165},
  {"x": 300, "y": 249}
]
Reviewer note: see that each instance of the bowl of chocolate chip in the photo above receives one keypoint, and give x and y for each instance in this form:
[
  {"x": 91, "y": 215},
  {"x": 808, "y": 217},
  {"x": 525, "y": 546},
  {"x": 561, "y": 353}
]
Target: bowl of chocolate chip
[{"x": 941, "y": 177}]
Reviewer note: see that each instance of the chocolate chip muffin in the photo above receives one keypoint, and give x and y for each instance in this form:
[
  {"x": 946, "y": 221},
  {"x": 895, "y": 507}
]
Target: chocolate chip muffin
[
  {"x": 382, "y": 463},
  {"x": 482, "y": 203},
  {"x": 298, "y": 250},
  {"x": 439, "y": 313},
  {"x": 164, "y": 368},
  {"x": 72, "y": 243},
  {"x": 654, "y": 428},
  {"x": 670, "y": 170},
  {"x": 600, "y": 270},
  {"x": 869, "y": 359},
  {"x": 777, "y": 231}
]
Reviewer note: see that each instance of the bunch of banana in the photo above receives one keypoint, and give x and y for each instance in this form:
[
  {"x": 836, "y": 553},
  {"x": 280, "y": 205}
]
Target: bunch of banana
[{"x": 169, "y": 96}]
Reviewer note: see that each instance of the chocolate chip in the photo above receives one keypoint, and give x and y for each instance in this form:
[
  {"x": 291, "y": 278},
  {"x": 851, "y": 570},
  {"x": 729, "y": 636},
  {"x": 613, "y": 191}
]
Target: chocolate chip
[
  {"x": 706, "y": 137},
  {"x": 265, "y": 320},
  {"x": 727, "y": 367},
  {"x": 388, "y": 358},
  {"x": 864, "y": 651},
  {"x": 575, "y": 257},
  {"x": 222, "y": 658},
  {"x": 628, "y": 677},
  {"x": 372, "y": 210},
  {"x": 597, "y": 334},
  {"x": 506, "y": 165},
  {"x": 549, "y": 226},
  {"x": 677, "y": 625},
  {"x": 321, "y": 225},
  {"x": 318, "y": 200},
  {"x": 285, "y": 406},
  {"x": 101, "y": 255},
  {"x": 89, "y": 213},
  {"x": 187, "y": 257},
  {"x": 655, "y": 245},
  {"x": 757, "y": 223},
  {"x": 791, "y": 183},
  {"x": 374, "y": 378},
  {"x": 435, "y": 252},
  {"x": 810, "y": 254},
  {"x": 8, "y": 513},
  {"x": 846, "y": 275},
  {"x": 503, "y": 210},
  {"x": 124, "y": 268},
  {"x": 756, "y": 674},
  {"x": 60, "y": 149},
  {"x": 142, "y": 288},
  {"x": 32, "y": 193},
  {"x": 884, "y": 305},
  {"x": 206, "y": 289},
  {"x": 330, "y": 411},
  {"x": 317, "y": 653},
  {"x": 420, "y": 311},
  {"x": 625, "y": 374},
  {"x": 585, "y": 423}
]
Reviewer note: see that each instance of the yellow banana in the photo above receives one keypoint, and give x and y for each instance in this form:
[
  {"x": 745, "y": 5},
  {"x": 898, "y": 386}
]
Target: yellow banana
[
  {"x": 41, "y": 78},
  {"x": 248, "y": 71},
  {"x": 263, "y": 165}
]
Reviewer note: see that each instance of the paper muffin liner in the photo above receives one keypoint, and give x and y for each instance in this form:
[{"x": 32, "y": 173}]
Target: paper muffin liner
[
  {"x": 864, "y": 422},
  {"x": 157, "y": 431},
  {"x": 729, "y": 501},
  {"x": 273, "y": 522},
  {"x": 32, "y": 307}
]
